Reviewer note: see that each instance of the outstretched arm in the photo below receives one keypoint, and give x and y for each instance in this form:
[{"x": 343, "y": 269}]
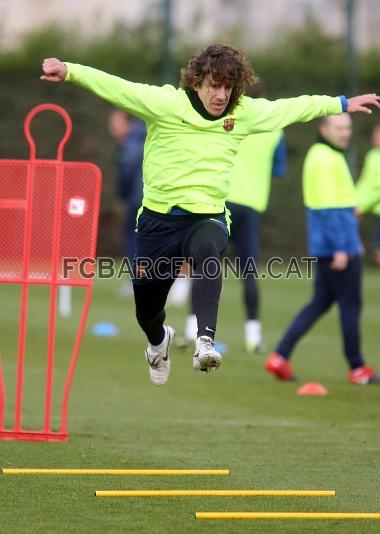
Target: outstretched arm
[
  {"x": 142, "y": 100},
  {"x": 147, "y": 101},
  {"x": 266, "y": 115}
]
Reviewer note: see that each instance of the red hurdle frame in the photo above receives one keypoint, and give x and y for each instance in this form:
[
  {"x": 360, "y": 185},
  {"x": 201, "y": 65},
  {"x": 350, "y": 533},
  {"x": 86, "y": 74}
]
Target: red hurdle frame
[{"x": 38, "y": 235}]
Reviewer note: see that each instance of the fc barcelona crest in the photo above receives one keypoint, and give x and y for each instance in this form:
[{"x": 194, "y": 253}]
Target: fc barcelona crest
[{"x": 229, "y": 124}]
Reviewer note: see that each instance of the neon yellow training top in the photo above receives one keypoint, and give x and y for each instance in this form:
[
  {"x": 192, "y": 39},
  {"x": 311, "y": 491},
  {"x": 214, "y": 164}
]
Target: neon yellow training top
[
  {"x": 327, "y": 180},
  {"x": 188, "y": 159},
  {"x": 368, "y": 186},
  {"x": 252, "y": 174}
]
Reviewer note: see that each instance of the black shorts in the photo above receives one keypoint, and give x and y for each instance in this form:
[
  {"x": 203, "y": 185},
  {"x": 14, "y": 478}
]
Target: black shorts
[{"x": 161, "y": 243}]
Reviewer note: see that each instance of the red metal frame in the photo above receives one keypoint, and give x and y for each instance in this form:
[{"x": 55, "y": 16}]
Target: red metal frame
[
  {"x": 54, "y": 281},
  {"x": 2, "y": 396}
]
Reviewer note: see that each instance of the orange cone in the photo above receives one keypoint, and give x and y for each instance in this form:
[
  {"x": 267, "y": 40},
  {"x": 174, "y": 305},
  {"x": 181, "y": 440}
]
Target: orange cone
[{"x": 312, "y": 388}]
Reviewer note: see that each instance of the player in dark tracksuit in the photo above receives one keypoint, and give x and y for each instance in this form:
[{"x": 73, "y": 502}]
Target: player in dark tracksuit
[{"x": 333, "y": 236}]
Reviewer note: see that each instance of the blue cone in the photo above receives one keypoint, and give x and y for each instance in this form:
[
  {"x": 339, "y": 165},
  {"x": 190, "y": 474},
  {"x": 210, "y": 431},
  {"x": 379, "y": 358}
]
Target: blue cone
[
  {"x": 105, "y": 329},
  {"x": 221, "y": 347}
]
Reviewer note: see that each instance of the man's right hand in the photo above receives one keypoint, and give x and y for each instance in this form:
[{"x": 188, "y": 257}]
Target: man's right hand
[
  {"x": 340, "y": 261},
  {"x": 53, "y": 70}
]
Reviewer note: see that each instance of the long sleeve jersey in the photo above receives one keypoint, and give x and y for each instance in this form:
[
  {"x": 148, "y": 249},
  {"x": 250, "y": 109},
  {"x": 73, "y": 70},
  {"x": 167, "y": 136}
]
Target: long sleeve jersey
[
  {"x": 188, "y": 159},
  {"x": 330, "y": 200},
  {"x": 368, "y": 186}
]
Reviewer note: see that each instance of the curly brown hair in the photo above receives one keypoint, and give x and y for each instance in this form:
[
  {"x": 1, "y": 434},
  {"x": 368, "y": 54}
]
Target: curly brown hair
[{"x": 224, "y": 64}]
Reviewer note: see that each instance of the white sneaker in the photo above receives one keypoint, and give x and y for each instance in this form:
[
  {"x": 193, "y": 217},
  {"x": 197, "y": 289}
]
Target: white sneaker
[
  {"x": 253, "y": 341},
  {"x": 126, "y": 290},
  {"x": 179, "y": 292},
  {"x": 158, "y": 360},
  {"x": 205, "y": 356},
  {"x": 191, "y": 328}
]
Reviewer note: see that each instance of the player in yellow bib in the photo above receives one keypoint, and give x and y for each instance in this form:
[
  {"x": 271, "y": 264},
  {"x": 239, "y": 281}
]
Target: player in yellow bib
[
  {"x": 368, "y": 188},
  {"x": 193, "y": 133},
  {"x": 333, "y": 239}
]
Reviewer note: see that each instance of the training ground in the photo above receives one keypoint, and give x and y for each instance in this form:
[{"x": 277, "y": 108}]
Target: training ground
[{"x": 238, "y": 418}]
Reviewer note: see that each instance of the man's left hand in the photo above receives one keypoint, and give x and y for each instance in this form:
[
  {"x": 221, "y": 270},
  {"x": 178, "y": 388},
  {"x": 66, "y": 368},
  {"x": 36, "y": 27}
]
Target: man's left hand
[{"x": 360, "y": 103}]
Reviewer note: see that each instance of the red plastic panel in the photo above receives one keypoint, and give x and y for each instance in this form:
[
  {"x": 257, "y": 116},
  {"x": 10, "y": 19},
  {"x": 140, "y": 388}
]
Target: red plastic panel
[
  {"x": 48, "y": 212},
  {"x": 13, "y": 185}
]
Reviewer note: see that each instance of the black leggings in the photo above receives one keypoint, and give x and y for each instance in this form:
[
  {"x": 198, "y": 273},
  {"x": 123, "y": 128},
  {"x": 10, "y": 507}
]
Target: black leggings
[
  {"x": 208, "y": 240},
  {"x": 342, "y": 287},
  {"x": 245, "y": 238}
]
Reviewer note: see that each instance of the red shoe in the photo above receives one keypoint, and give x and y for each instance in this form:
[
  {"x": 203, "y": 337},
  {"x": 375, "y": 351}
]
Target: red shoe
[
  {"x": 363, "y": 375},
  {"x": 278, "y": 366}
]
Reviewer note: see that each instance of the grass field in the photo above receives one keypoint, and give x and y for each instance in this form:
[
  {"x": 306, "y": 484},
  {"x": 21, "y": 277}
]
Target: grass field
[{"x": 238, "y": 418}]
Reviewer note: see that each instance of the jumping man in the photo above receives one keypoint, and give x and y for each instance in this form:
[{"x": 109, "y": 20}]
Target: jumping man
[{"x": 193, "y": 133}]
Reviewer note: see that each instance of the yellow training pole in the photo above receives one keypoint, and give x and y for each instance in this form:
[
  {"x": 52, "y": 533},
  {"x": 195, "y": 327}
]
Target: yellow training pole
[
  {"x": 285, "y": 515},
  {"x": 115, "y": 471},
  {"x": 214, "y": 493}
]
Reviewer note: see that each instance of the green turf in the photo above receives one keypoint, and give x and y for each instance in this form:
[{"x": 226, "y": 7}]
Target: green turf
[{"x": 238, "y": 418}]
